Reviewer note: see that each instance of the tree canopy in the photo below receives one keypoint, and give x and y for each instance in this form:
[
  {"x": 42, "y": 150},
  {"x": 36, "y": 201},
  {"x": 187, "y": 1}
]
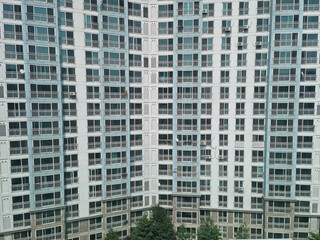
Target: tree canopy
[
  {"x": 157, "y": 227},
  {"x": 314, "y": 236},
  {"x": 112, "y": 235},
  {"x": 182, "y": 233},
  {"x": 243, "y": 232},
  {"x": 208, "y": 230}
]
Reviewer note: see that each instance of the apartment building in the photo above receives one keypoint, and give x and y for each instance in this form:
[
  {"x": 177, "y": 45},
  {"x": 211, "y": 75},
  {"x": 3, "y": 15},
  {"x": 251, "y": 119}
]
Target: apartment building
[{"x": 205, "y": 107}]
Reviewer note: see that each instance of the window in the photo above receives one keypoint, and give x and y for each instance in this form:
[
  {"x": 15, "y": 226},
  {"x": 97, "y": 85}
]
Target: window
[
  {"x": 208, "y": 10},
  {"x": 225, "y": 60},
  {"x": 92, "y": 57},
  {"x": 188, "y": 26},
  {"x": 262, "y": 25},
  {"x": 91, "y": 21},
  {"x": 90, "y": 5},
  {"x": 241, "y": 59},
  {"x": 243, "y": 8},
  {"x": 227, "y": 9},
  {"x": 243, "y": 26},
  {"x": 40, "y": 14},
  {"x": 165, "y": 11},
  {"x": 134, "y": 26},
  {"x": 226, "y": 26},
  {"x": 91, "y": 40},
  {"x": 68, "y": 74},
  {"x": 12, "y": 11},
  {"x": 262, "y": 42},
  {"x": 12, "y": 31},
  {"x": 263, "y": 7},
  {"x": 66, "y": 19},
  {"x": 226, "y": 43}
]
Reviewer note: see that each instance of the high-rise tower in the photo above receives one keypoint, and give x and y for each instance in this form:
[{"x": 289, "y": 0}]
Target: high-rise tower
[{"x": 205, "y": 107}]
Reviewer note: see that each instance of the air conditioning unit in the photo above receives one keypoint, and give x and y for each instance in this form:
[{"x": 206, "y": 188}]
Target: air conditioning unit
[
  {"x": 240, "y": 44},
  {"x": 203, "y": 143},
  {"x": 240, "y": 189},
  {"x": 245, "y": 26},
  {"x": 205, "y": 11},
  {"x": 227, "y": 29},
  {"x": 72, "y": 94},
  {"x": 258, "y": 43}
]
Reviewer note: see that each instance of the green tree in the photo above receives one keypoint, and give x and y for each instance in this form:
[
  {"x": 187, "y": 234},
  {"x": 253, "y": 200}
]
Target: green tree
[
  {"x": 161, "y": 225},
  {"x": 157, "y": 227},
  {"x": 314, "y": 236},
  {"x": 243, "y": 232},
  {"x": 143, "y": 229},
  {"x": 112, "y": 235},
  {"x": 208, "y": 230},
  {"x": 182, "y": 233}
]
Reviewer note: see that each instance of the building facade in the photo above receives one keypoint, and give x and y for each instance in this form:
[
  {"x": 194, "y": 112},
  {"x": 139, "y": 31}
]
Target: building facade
[{"x": 108, "y": 107}]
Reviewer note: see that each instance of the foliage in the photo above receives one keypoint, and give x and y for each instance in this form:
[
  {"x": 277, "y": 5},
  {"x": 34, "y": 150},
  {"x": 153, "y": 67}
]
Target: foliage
[
  {"x": 112, "y": 235},
  {"x": 182, "y": 233},
  {"x": 158, "y": 227},
  {"x": 161, "y": 225},
  {"x": 142, "y": 231},
  {"x": 243, "y": 232},
  {"x": 314, "y": 236},
  {"x": 208, "y": 230}
]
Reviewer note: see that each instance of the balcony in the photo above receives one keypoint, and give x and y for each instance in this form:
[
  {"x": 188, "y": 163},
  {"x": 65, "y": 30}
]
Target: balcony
[
  {"x": 114, "y": 177},
  {"x": 185, "y": 79},
  {"x": 181, "y": 127},
  {"x": 43, "y": 203},
  {"x": 115, "y": 128},
  {"x": 285, "y": 95},
  {"x": 41, "y": 37},
  {"x": 42, "y": 57},
  {"x": 279, "y": 225},
  {"x": 285, "y": 78},
  {"x": 279, "y": 194},
  {"x": 40, "y": 18},
  {"x": 114, "y": 95},
  {"x": 113, "y": 27},
  {"x": 303, "y": 193},
  {"x": 187, "y": 174},
  {"x": 187, "y": 159},
  {"x": 112, "y": 8},
  {"x": 281, "y": 145},
  {"x": 45, "y": 149},
  {"x": 137, "y": 111},
  {"x": 287, "y": 7},
  {"x": 165, "y": 202},
  {"x": 20, "y": 187},
  {"x": 282, "y": 112},
  {"x": 115, "y": 144},
  {"x": 285, "y": 43},
  {"x": 164, "y": 127},
  {"x": 305, "y": 145},
  {"x": 303, "y": 177},
  {"x": 12, "y": 35},
  {"x": 116, "y": 208},
  {"x": 46, "y": 167},
  {"x": 20, "y": 205},
  {"x": 282, "y": 178},
  {"x": 44, "y": 185},
  {"x": 289, "y": 25},
  {"x": 18, "y": 150},
  {"x": 181, "y": 143},
  {"x": 187, "y": 189},
  {"x": 187, "y": 112},
  {"x": 165, "y": 188},
  {"x": 114, "y": 62}
]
